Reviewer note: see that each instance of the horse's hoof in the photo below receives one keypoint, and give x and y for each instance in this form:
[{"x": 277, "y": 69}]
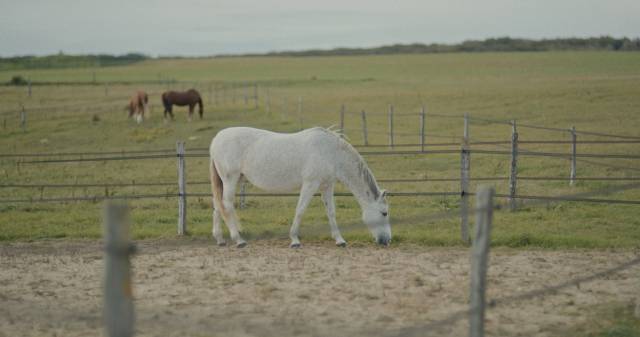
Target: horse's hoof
[
  {"x": 222, "y": 244},
  {"x": 295, "y": 245},
  {"x": 341, "y": 244},
  {"x": 241, "y": 244}
]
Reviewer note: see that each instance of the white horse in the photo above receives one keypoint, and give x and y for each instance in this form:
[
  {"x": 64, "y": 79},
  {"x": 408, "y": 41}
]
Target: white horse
[{"x": 311, "y": 159}]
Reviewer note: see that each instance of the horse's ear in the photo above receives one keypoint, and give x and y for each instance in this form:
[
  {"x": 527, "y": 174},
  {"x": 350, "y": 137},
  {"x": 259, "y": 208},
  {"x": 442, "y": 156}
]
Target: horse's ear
[{"x": 383, "y": 194}]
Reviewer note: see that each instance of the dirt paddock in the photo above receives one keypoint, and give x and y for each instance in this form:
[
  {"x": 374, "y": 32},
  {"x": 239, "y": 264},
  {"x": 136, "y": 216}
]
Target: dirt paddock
[{"x": 192, "y": 288}]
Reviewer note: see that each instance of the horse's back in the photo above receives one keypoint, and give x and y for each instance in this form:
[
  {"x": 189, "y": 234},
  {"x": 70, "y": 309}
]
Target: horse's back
[
  {"x": 274, "y": 161},
  {"x": 181, "y": 98}
]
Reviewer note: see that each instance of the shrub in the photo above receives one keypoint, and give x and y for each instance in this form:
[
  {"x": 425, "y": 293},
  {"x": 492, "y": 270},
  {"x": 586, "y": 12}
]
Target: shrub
[{"x": 18, "y": 80}]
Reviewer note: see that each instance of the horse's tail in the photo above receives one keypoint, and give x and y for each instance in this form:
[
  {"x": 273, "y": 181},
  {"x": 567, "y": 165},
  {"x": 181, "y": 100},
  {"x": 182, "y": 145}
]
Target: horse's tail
[
  {"x": 200, "y": 106},
  {"x": 217, "y": 189}
]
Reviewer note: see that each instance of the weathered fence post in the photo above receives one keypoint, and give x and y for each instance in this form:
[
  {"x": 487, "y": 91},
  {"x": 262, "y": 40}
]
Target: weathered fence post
[
  {"x": 422, "y": 120},
  {"x": 268, "y": 97},
  {"x": 118, "y": 296},
  {"x": 234, "y": 93},
  {"x": 255, "y": 94},
  {"x": 182, "y": 194},
  {"x": 243, "y": 189},
  {"x": 391, "y": 125},
  {"x": 364, "y": 127},
  {"x": 342, "y": 120},
  {"x": 572, "y": 179},
  {"x": 480, "y": 260},
  {"x": 465, "y": 165},
  {"x": 513, "y": 176},
  {"x": 23, "y": 119},
  {"x": 300, "y": 113},
  {"x": 284, "y": 106}
]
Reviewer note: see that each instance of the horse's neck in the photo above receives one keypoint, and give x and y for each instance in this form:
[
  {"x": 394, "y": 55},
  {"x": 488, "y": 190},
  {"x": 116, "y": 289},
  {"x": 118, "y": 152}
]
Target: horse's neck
[{"x": 355, "y": 174}]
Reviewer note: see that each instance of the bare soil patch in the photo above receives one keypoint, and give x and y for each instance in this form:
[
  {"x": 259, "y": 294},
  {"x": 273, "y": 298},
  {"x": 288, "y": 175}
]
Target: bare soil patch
[{"x": 193, "y": 288}]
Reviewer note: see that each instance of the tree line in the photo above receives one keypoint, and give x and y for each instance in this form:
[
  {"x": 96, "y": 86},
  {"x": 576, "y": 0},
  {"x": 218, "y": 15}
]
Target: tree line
[
  {"x": 502, "y": 44},
  {"x": 62, "y": 60}
]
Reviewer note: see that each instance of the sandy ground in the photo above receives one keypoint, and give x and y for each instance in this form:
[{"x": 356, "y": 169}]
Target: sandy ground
[{"x": 192, "y": 288}]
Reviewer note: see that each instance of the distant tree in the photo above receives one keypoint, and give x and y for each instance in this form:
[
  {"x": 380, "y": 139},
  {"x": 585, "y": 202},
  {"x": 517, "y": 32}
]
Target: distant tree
[{"x": 18, "y": 80}]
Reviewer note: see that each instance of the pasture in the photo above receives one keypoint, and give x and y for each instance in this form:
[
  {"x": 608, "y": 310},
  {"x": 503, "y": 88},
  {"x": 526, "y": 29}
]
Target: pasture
[{"x": 593, "y": 91}]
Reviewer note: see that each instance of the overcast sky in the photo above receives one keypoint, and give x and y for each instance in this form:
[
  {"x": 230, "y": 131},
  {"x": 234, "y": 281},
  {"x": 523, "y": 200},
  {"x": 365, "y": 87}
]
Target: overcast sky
[{"x": 199, "y": 27}]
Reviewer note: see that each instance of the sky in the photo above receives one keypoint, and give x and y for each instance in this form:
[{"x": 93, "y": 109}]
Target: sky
[{"x": 214, "y": 27}]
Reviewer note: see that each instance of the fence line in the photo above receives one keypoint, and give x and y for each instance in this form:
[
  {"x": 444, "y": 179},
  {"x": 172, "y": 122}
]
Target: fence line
[
  {"x": 202, "y": 149},
  {"x": 395, "y": 180},
  {"x": 96, "y": 198}
]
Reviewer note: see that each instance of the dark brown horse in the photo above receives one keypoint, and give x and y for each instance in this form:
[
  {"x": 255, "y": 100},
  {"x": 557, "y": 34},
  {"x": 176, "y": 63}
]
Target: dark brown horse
[
  {"x": 138, "y": 105},
  {"x": 190, "y": 97}
]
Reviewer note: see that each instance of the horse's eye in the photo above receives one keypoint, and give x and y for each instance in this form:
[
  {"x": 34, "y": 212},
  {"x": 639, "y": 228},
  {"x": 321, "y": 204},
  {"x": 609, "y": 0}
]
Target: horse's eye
[{"x": 384, "y": 213}]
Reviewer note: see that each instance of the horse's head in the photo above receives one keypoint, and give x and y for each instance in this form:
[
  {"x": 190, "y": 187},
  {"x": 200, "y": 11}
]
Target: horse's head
[{"x": 376, "y": 216}]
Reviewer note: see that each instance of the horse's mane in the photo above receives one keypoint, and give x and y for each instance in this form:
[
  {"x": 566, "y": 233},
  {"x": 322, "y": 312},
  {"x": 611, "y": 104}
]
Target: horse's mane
[{"x": 363, "y": 168}]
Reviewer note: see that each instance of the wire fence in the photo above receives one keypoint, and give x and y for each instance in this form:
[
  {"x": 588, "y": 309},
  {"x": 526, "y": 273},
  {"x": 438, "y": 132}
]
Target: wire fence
[
  {"x": 469, "y": 147},
  {"x": 479, "y": 253}
]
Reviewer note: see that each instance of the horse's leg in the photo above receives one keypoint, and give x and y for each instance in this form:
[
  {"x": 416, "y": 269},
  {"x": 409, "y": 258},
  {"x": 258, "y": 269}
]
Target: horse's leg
[
  {"x": 329, "y": 205},
  {"x": 306, "y": 193},
  {"x": 217, "y": 229},
  {"x": 190, "y": 111},
  {"x": 231, "y": 219}
]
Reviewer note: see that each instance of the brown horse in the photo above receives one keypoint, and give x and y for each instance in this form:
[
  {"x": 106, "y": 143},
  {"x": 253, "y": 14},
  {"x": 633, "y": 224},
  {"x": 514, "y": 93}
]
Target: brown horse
[
  {"x": 138, "y": 105},
  {"x": 190, "y": 97}
]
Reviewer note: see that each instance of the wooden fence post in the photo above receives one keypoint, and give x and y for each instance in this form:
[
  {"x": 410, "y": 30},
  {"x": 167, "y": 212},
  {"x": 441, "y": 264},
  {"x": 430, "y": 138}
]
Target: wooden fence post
[
  {"x": 391, "y": 125},
  {"x": 465, "y": 166},
  {"x": 364, "y": 128},
  {"x": 255, "y": 94},
  {"x": 29, "y": 87},
  {"x": 342, "y": 120},
  {"x": 480, "y": 260},
  {"x": 23, "y": 119},
  {"x": 106, "y": 89},
  {"x": 284, "y": 106},
  {"x": 513, "y": 177},
  {"x": 246, "y": 94},
  {"x": 422, "y": 121},
  {"x": 118, "y": 296},
  {"x": 572, "y": 179},
  {"x": 268, "y": 102},
  {"x": 182, "y": 194},
  {"x": 300, "y": 113},
  {"x": 234, "y": 93}
]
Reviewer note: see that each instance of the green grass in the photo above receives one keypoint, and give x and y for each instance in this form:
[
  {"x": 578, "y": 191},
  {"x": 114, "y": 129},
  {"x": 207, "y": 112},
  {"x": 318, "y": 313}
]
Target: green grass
[
  {"x": 610, "y": 320},
  {"x": 595, "y": 91}
]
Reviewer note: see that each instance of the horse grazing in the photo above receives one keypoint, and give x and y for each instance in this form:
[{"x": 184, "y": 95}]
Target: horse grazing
[
  {"x": 138, "y": 105},
  {"x": 312, "y": 160},
  {"x": 190, "y": 97}
]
